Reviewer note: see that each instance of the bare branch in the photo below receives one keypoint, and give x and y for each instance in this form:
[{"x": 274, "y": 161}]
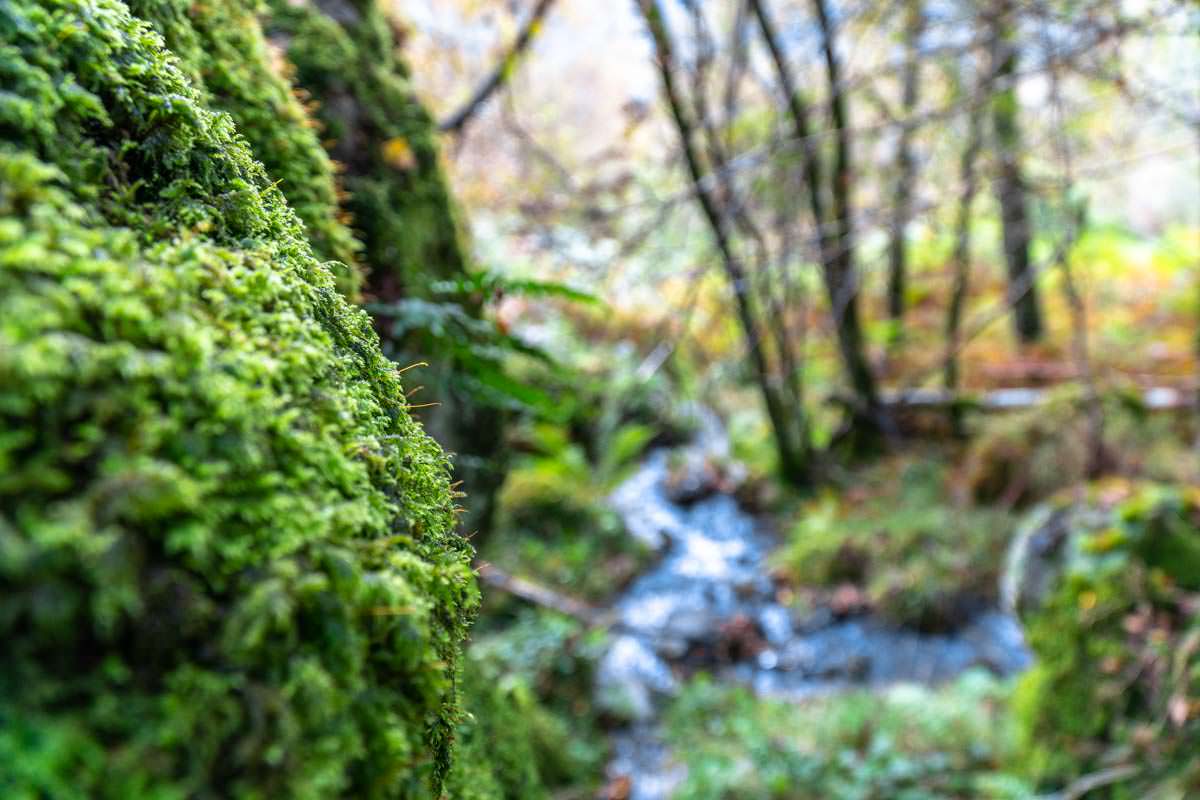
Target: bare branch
[{"x": 456, "y": 123}]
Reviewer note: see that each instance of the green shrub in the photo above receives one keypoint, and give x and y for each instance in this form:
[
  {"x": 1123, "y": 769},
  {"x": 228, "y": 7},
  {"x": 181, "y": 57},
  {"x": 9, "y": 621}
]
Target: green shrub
[
  {"x": 531, "y": 727},
  {"x": 226, "y": 558},
  {"x": 1117, "y": 642},
  {"x": 553, "y": 524}
]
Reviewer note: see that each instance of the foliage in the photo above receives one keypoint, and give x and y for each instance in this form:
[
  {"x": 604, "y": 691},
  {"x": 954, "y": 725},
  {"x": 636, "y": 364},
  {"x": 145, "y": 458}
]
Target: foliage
[
  {"x": 922, "y": 561},
  {"x": 1117, "y": 677},
  {"x": 529, "y": 689},
  {"x": 226, "y": 559},
  {"x": 478, "y": 346},
  {"x": 553, "y": 524},
  {"x": 1029, "y": 455},
  {"x": 908, "y": 743}
]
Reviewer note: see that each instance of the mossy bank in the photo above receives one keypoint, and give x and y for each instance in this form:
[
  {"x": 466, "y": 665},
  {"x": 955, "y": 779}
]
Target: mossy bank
[
  {"x": 1106, "y": 585},
  {"x": 346, "y": 55},
  {"x": 227, "y": 559}
]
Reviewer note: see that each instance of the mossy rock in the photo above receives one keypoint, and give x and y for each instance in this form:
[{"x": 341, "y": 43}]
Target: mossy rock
[
  {"x": 1107, "y": 590},
  {"x": 227, "y": 565}
]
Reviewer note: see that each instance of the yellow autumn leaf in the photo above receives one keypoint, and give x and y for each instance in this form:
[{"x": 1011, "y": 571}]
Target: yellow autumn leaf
[
  {"x": 398, "y": 154},
  {"x": 1088, "y": 600}
]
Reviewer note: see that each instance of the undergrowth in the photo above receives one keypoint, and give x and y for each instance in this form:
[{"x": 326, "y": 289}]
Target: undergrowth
[
  {"x": 907, "y": 743},
  {"x": 919, "y": 559}
]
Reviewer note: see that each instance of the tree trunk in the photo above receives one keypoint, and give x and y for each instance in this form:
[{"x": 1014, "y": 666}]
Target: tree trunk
[
  {"x": 1010, "y": 184},
  {"x": 834, "y": 224},
  {"x": 962, "y": 244},
  {"x": 842, "y": 277},
  {"x": 902, "y": 204},
  {"x": 792, "y": 455}
]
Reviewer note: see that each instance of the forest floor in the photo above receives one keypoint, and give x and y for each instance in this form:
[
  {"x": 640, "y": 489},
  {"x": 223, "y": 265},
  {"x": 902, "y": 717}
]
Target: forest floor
[
  {"x": 756, "y": 643},
  {"x": 742, "y": 640}
]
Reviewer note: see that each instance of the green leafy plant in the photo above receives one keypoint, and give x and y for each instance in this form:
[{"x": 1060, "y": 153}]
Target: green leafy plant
[
  {"x": 1116, "y": 683},
  {"x": 554, "y": 525}
]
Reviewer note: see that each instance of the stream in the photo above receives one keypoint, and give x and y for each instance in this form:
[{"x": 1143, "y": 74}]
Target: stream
[{"x": 709, "y": 603}]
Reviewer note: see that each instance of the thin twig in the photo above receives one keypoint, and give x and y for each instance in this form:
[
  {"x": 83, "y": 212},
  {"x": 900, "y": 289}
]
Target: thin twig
[{"x": 457, "y": 121}]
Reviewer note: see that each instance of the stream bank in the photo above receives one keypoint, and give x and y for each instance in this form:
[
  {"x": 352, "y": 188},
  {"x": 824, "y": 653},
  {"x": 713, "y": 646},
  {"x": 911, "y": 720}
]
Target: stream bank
[{"x": 709, "y": 604}]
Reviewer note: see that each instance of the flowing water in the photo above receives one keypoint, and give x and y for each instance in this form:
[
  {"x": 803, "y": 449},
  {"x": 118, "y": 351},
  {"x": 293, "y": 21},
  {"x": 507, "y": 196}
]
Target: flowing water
[{"x": 709, "y": 602}]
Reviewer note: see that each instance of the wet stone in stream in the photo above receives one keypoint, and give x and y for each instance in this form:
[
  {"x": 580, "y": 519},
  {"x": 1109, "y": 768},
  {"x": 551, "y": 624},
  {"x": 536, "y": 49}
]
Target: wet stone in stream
[{"x": 708, "y": 603}]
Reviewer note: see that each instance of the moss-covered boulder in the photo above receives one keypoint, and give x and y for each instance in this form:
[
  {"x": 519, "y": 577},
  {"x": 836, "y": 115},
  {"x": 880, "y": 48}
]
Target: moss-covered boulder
[
  {"x": 227, "y": 566},
  {"x": 346, "y": 56},
  {"x": 1108, "y": 588}
]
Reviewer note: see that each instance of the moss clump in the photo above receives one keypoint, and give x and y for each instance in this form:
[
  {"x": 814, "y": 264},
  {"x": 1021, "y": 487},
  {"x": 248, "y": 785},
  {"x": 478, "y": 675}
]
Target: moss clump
[
  {"x": 345, "y": 55},
  {"x": 1024, "y": 457},
  {"x": 222, "y": 51},
  {"x": 226, "y": 565},
  {"x": 1117, "y": 639}
]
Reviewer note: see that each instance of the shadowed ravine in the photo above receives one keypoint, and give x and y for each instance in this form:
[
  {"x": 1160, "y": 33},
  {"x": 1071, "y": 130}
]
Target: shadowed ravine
[{"x": 709, "y": 603}]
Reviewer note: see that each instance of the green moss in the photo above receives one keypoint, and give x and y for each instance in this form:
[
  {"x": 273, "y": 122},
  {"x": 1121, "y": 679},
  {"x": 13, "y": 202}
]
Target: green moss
[
  {"x": 1117, "y": 640},
  {"x": 226, "y": 565},
  {"x": 345, "y": 55},
  {"x": 222, "y": 50}
]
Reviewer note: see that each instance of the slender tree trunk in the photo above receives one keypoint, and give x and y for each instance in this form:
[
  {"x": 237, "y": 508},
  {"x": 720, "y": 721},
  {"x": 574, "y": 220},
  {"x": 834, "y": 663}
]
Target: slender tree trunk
[
  {"x": 969, "y": 177},
  {"x": 1075, "y": 219},
  {"x": 902, "y": 204},
  {"x": 1081, "y": 352},
  {"x": 1010, "y": 184},
  {"x": 1196, "y": 345},
  {"x": 791, "y": 455},
  {"x": 842, "y": 281},
  {"x": 771, "y": 283},
  {"x": 834, "y": 223}
]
